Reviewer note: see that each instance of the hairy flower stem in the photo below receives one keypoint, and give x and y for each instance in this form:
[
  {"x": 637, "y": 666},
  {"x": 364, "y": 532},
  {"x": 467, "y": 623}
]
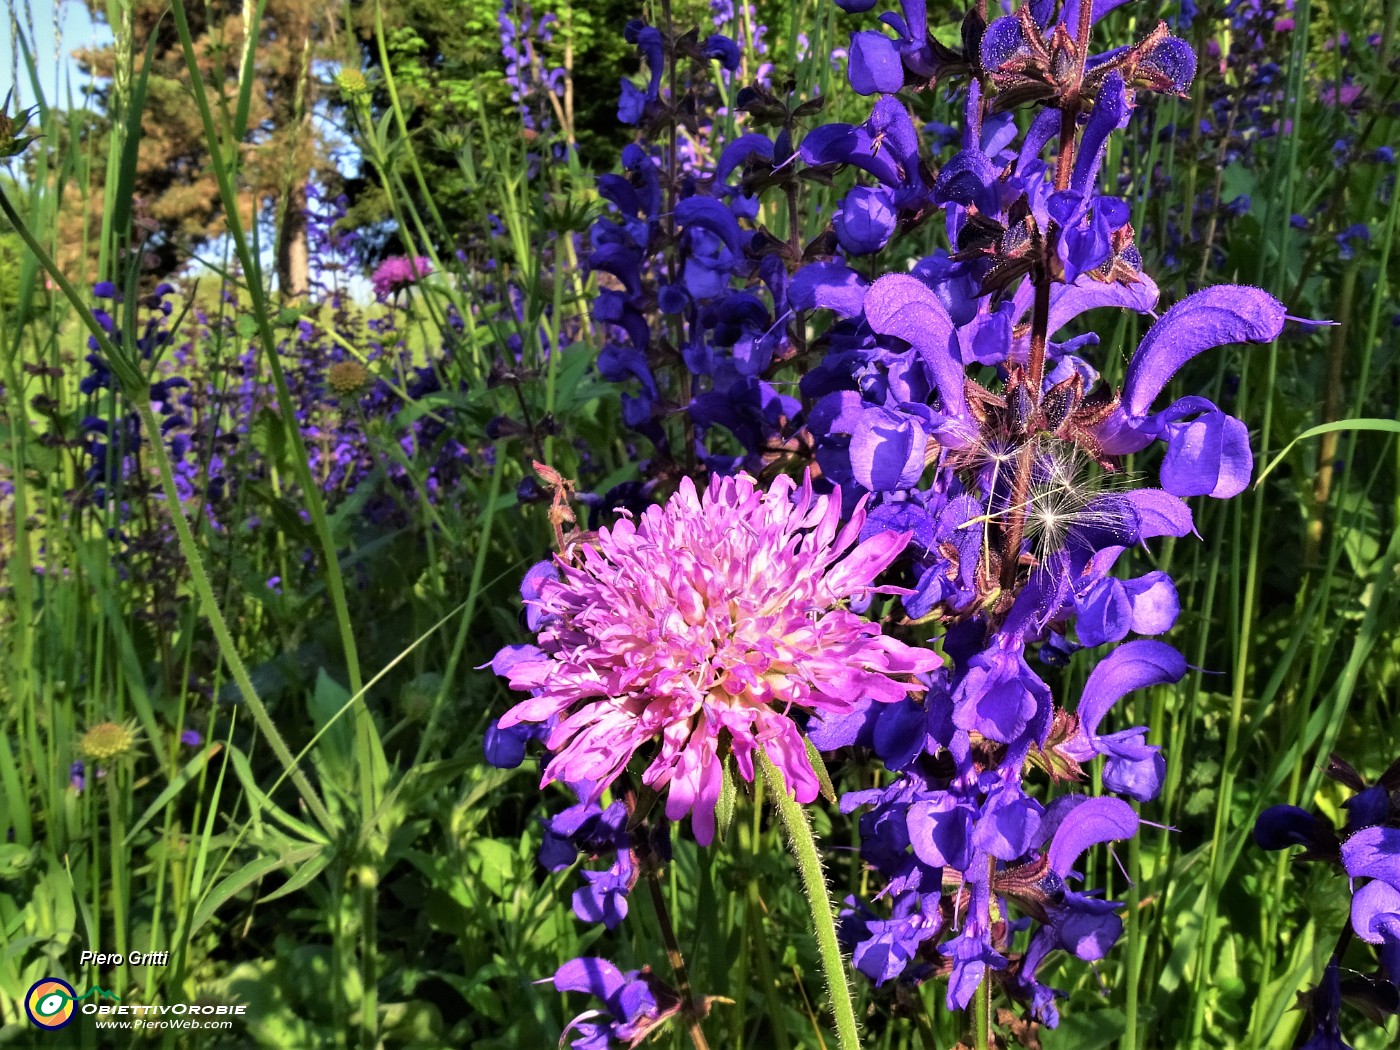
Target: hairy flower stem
[
  {"x": 982, "y": 1004},
  {"x": 691, "y": 1009},
  {"x": 809, "y": 866}
]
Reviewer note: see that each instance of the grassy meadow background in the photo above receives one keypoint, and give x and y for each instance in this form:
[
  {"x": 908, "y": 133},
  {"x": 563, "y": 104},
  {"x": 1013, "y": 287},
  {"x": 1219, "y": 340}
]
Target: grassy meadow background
[{"x": 291, "y": 796}]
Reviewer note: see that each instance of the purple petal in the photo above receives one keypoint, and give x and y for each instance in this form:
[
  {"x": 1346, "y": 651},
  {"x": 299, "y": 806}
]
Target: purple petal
[
  {"x": 597, "y": 977},
  {"x": 1208, "y": 456},
  {"x": 1001, "y": 40},
  {"x": 904, "y": 307},
  {"x": 1086, "y": 824},
  {"x": 1087, "y": 927},
  {"x": 740, "y": 151},
  {"x": 1133, "y": 665},
  {"x": 1070, "y": 14},
  {"x": 712, "y": 215},
  {"x": 1375, "y": 912},
  {"x": 1174, "y": 60},
  {"x": 1281, "y": 826},
  {"x": 866, "y": 220},
  {"x": 875, "y": 67},
  {"x": 829, "y": 285},
  {"x": 1111, "y": 111},
  {"x": 1226, "y": 313},
  {"x": 1160, "y": 513},
  {"x": 1373, "y": 853},
  {"x": 887, "y": 450},
  {"x": 941, "y": 832}
]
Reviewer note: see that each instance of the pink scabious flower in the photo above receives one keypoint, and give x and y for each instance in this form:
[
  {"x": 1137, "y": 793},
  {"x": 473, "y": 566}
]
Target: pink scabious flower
[
  {"x": 708, "y": 619},
  {"x": 397, "y": 272}
]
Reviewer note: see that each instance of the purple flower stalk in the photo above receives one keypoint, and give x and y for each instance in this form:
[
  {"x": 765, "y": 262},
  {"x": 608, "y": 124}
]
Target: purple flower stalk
[
  {"x": 1017, "y": 527},
  {"x": 954, "y": 417}
]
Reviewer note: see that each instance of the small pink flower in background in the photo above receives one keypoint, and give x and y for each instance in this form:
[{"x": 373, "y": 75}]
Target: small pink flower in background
[
  {"x": 714, "y": 614},
  {"x": 398, "y": 272}
]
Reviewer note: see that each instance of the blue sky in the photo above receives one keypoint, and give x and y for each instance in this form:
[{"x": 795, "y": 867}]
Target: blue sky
[{"x": 58, "y": 73}]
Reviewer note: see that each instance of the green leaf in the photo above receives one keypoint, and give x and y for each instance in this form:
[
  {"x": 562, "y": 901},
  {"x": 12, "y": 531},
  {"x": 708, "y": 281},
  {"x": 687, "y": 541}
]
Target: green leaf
[
  {"x": 1388, "y": 426},
  {"x": 305, "y": 874},
  {"x": 728, "y": 794},
  {"x": 325, "y": 706},
  {"x": 229, "y": 887},
  {"x": 260, "y": 801},
  {"x": 819, "y": 767},
  {"x": 493, "y": 861},
  {"x": 177, "y": 784}
]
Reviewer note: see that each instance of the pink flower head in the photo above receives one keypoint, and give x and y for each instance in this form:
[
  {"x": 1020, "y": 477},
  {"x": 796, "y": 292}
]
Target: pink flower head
[
  {"x": 399, "y": 271},
  {"x": 710, "y": 617}
]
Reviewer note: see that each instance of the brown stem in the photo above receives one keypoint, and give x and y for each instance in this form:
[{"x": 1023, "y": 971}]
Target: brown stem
[
  {"x": 794, "y": 227},
  {"x": 1016, "y": 525},
  {"x": 1040, "y": 334},
  {"x": 1025, "y": 461},
  {"x": 692, "y": 1010},
  {"x": 1331, "y": 410},
  {"x": 1086, "y": 17},
  {"x": 1064, "y": 163}
]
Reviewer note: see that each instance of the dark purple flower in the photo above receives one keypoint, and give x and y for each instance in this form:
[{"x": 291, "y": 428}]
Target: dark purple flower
[
  {"x": 866, "y": 221},
  {"x": 634, "y": 1003}
]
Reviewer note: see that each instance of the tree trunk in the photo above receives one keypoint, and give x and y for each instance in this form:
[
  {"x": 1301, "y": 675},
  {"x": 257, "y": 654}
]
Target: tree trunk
[{"x": 293, "y": 259}]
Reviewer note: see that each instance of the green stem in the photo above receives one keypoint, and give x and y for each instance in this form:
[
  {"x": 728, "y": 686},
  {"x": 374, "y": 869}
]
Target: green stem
[
  {"x": 982, "y": 1006},
  {"x": 809, "y": 866},
  {"x": 691, "y": 1008},
  {"x": 982, "y": 1003}
]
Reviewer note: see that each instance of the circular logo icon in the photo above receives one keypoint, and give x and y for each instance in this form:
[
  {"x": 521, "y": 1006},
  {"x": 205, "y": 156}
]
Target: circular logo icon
[{"x": 49, "y": 1003}]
